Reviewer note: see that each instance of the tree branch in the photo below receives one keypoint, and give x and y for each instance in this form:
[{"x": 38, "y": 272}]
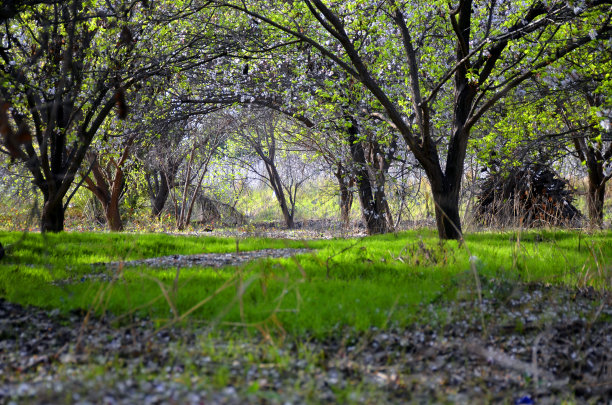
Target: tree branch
[{"x": 558, "y": 54}]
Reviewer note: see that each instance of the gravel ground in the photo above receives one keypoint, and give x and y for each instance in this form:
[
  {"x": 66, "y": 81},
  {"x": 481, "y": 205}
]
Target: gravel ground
[
  {"x": 107, "y": 271},
  {"x": 541, "y": 345}
]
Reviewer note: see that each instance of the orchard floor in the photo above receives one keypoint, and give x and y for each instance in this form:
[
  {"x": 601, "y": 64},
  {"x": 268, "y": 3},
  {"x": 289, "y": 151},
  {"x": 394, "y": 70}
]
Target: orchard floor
[{"x": 540, "y": 345}]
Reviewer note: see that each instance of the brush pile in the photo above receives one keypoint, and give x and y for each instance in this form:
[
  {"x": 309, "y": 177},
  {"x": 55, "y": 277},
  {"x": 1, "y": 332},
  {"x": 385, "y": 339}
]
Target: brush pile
[
  {"x": 530, "y": 196},
  {"x": 212, "y": 211}
]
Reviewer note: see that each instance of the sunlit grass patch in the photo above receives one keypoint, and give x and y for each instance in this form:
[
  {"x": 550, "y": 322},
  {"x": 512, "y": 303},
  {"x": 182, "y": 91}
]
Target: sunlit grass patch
[{"x": 377, "y": 281}]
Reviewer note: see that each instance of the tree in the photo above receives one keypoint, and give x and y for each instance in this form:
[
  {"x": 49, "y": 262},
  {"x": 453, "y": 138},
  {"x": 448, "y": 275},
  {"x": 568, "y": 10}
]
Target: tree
[
  {"x": 62, "y": 77},
  {"x": 259, "y": 131},
  {"x": 66, "y": 65},
  {"x": 203, "y": 136},
  {"x": 296, "y": 86},
  {"x": 161, "y": 164},
  {"x": 11, "y": 8},
  {"x": 109, "y": 179},
  {"x": 564, "y": 112},
  {"x": 332, "y": 150},
  {"x": 585, "y": 109},
  {"x": 160, "y": 133},
  {"x": 369, "y": 169},
  {"x": 413, "y": 59},
  {"x": 594, "y": 149}
]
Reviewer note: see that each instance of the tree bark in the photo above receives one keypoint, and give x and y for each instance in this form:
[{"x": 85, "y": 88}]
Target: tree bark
[
  {"x": 109, "y": 185},
  {"x": 277, "y": 186},
  {"x": 595, "y": 201},
  {"x": 596, "y": 192},
  {"x": 108, "y": 196},
  {"x": 52, "y": 218},
  {"x": 446, "y": 200},
  {"x": 373, "y": 213},
  {"x": 113, "y": 216},
  {"x": 346, "y": 195},
  {"x": 381, "y": 162},
  {"x": 158, "y": 193}
]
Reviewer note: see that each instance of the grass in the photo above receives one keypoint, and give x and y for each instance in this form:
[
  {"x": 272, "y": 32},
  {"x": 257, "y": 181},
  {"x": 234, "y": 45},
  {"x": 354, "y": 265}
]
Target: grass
[{"x": 377, "y": 281}]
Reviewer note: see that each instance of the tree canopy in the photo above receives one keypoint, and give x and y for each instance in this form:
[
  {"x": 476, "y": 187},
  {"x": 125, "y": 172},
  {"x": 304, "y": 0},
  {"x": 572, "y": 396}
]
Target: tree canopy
[{"x": 395, "y": 78}]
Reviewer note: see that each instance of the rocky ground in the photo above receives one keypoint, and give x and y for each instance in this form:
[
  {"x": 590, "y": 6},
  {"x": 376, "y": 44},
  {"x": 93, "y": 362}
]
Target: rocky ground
[{"x": 531, "y": 344}]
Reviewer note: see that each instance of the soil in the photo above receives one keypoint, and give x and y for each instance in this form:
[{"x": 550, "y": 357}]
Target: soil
[
  {"x": 527, "y": 344},
  {"x": 545, "y": 345}
]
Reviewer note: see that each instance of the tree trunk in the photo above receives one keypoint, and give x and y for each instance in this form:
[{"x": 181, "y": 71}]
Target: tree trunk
[
  {"x": 373, "y": 213},
  {"x": 195, "y": 195},
  {"x": 346, "y": 195},
  {"x": 159, "y": 196},
  {"x": 113, "y": 217},
  {"x": 382, "y": 207},
  {"x": 597, "y": 181},
  {"x": 390, "y": 223},
  {"x": 446, "y": 200},
  {"x": 380, "y": 167},
  {"x": 159, "y": 187},
  {"x": 375, "y": 221},
  {"x": 445, "y": 186},
  {"x": 52, "y": 218},
  {"x": 595, "y": 202},
  {"x": 346, "y": 203},
  {"x": 108, "y": 194},
  {"x": 277, "y": 186},
  {"x": 288, "y": 216}
]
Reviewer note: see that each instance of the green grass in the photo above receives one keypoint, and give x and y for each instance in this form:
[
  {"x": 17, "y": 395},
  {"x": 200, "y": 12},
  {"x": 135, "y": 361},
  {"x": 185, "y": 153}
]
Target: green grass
[{"x": 345, "y": 283}]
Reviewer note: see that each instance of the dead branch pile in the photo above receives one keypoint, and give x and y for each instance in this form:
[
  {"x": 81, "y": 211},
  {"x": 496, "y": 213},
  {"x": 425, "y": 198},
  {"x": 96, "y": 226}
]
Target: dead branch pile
[
  {"x": 530, "y": 196},
  {"x": 218, "y": 213}
]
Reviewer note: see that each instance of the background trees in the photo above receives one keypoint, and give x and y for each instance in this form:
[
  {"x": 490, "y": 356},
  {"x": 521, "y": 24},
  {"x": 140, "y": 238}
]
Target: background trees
[
  {"x": 51, "y": 101},
  {"x": 199, "y": 143},
  {"x": 579, "y": 100},
  {"x": 372, "y": 84},
  {"x": 413, "y": 58},
  {"x": 261, "y": 132},
  {"x": 66, "y": 65},
  {"x": 556, "y": 117},
  {"x": 161, "y": 160}
]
